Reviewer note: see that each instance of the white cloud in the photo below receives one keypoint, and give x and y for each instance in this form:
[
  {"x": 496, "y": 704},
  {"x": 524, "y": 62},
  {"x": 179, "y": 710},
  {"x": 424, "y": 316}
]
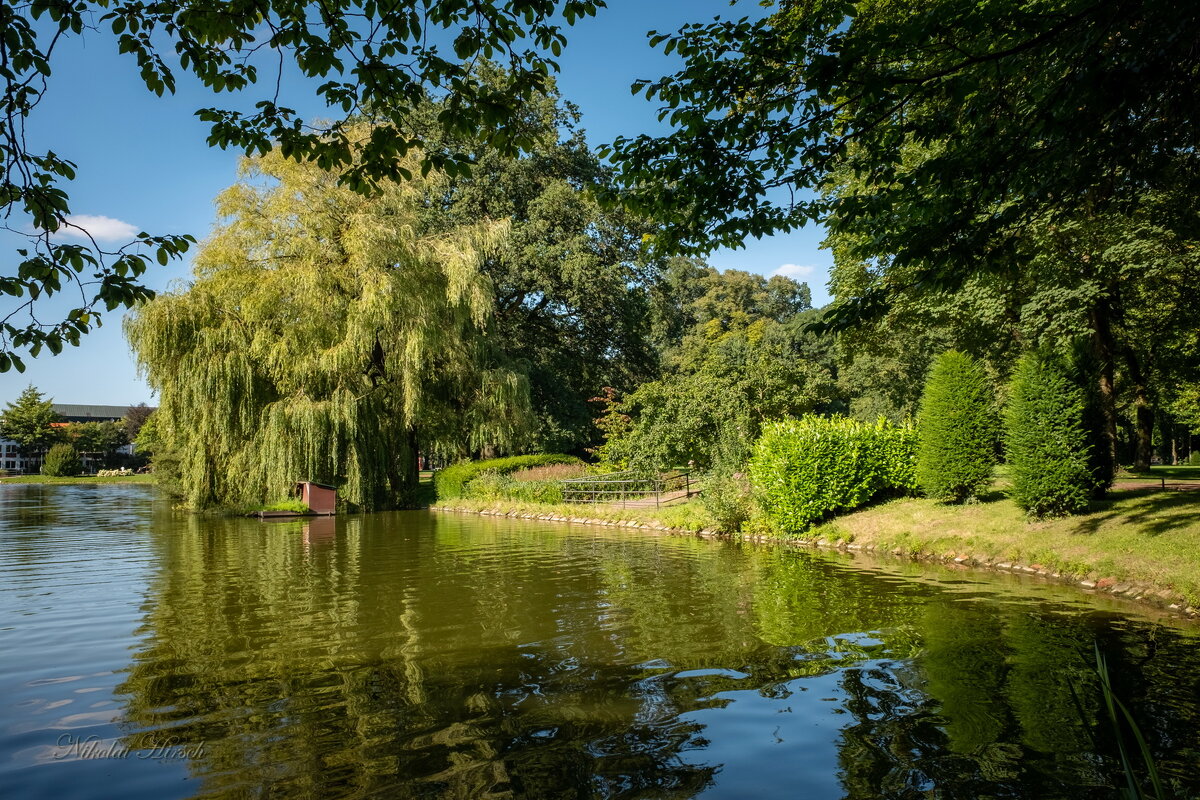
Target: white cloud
[
  {"x": 102, "y": 229},
  {"x": 796, "y": 272}
]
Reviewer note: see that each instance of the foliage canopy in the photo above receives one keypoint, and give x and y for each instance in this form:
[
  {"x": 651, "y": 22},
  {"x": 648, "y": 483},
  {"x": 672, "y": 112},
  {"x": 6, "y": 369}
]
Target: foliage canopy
[
  {"x": 325, "y": 338},
  {"x": 381, "y": 60},
  {"x": 1013, "y": 111},
  {"x": 27, "y": 421},
  {"x": 736, "y": 355},
  {"x": 572, "y": 284}
]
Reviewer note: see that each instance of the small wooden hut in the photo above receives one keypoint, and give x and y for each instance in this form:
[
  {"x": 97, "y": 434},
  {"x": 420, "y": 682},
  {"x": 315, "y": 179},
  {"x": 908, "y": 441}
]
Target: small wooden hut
[{"x": 320, "y": 498}]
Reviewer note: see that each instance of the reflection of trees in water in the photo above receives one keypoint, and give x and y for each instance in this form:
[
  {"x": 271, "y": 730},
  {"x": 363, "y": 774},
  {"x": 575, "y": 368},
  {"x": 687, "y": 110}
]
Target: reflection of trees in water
[
  {"x": 986, "y": 710},
  {"x": 327, "y": 666},
  {"x": 464, "y": 658}
]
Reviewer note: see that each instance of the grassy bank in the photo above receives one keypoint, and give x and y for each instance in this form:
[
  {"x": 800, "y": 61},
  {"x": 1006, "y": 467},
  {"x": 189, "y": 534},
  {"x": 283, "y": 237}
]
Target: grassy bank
[
  {"x": 684, "y": 516},
  {"x": 1146, "y": 538},
  {"x": 81, "y": 479}
]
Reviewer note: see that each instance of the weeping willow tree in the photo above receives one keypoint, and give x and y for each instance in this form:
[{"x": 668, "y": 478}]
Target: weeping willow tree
[{"x": 325, "y": 337}]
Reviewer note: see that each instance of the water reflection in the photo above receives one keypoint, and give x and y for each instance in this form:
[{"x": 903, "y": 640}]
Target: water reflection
[{"x": 416, "y": 655}]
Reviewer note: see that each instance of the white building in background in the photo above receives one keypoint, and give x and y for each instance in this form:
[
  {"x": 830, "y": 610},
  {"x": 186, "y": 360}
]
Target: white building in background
[{"x": 10, "y": 456}]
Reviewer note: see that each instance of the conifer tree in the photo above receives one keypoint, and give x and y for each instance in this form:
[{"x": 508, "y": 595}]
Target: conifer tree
[
  {"x": 957, "y": 429},
  {"x": 28, "y": 422},
  {"x": 1049, "y": 454}
]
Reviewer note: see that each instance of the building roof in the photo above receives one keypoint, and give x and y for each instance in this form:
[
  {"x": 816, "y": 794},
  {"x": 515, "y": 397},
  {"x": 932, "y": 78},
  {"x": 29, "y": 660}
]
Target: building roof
[{"x": 85, "y": 413}]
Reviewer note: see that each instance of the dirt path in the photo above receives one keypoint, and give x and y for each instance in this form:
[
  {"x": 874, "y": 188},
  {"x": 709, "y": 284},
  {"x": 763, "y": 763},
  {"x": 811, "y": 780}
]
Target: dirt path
[{"x": 1155, "y": 483}]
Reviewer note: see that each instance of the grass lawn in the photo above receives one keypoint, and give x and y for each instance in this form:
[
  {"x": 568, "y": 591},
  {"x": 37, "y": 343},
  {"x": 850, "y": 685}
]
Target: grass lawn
[
  {"x": 82, "y": 479},
  {"x": 1138, "y": 535},
  {"x": 1180, "y": 473}
]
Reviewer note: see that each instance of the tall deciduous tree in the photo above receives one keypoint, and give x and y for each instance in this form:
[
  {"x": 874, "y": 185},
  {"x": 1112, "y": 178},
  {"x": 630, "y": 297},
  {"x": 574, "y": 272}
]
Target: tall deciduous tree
[
  {"x": 363, "y": 57},
  {"x": 1024, "y": 108},
  {"x": 135, "y": 418},
  {"x": 96, "y": 438},
  {"x": 572, "y": 283},
  {"x": 28, "y": 422},
  {"x": 744, "y": 359},
  {"x": 985, "y": 140},
  {"x": 324, "y": 338},
  {"x": 1125, "y": 283}
]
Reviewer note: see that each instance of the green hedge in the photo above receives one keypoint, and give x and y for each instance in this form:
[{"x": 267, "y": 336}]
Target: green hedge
[
  {"x": 958, "y": 429},
  {"x": 1047, "y": 442},
  {"x": 452, "y": 481},
  {"x": 803, "y": 470}
]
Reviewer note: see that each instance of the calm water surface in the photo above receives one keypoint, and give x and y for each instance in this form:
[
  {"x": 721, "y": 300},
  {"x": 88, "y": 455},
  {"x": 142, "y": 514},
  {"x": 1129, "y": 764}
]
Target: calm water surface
[{"x": 150, "y": 654}]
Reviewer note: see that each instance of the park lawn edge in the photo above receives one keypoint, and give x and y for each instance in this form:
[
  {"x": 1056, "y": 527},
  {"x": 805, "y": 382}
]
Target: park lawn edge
[
  {"x": 77, "y": 479},
  {"x": 1140, "y": 545}
]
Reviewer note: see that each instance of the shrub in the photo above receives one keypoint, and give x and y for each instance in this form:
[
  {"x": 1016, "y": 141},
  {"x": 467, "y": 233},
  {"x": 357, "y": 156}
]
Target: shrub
[
  {"x": 62, "y": 461},
  {"x": 550, "y": 472},
  {"x": 957, "y": 429},
  {"x": 451, "y": 482},
  {"x": 803, "y": 470},
  {"x": 494, "y": 486},
  {"x": 1049, "y": 454},
  {"x": 1194, "y": 459},
  {"x": 727, "y": 500}
]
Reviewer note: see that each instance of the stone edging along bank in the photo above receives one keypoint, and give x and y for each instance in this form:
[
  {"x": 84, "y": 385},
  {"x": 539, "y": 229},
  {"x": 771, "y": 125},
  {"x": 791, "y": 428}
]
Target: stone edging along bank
[{"x": 1155, "y": 596}]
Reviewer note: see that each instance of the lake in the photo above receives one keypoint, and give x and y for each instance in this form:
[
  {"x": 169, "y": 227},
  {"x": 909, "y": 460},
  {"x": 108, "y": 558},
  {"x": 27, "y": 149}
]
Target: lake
[{"x": 147, "y": 653}]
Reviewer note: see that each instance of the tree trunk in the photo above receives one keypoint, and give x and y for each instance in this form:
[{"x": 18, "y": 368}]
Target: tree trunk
[
  {"x": 1143, "y": 413},
  {"x": 412, "y": 472},
  {"x": 1145, "y": 430},
  {"x": 1105, "y": 351}
]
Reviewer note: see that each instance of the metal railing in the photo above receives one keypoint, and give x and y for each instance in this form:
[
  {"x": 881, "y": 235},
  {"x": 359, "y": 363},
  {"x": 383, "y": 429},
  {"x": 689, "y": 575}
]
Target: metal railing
[{"x": 628, "y": 486}]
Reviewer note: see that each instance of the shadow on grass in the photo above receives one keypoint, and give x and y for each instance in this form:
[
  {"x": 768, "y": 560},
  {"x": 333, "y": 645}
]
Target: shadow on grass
[
  {"x": 1183, "y": 472},
  {"x": 1152, "y": 510},
  {"x": 994, "y": 495}
]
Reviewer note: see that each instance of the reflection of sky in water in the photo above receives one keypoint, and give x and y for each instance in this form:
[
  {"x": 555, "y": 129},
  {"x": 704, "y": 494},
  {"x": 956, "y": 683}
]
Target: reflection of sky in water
[
  {"x": 757, "y": 733},
  {"x": 412, "y": 654}
]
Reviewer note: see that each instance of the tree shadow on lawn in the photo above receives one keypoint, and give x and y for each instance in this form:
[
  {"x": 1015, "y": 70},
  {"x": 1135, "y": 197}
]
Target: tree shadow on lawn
[
  {"x": 1162, "y": 512},
  {"x": 883, "y": 498},
  {"x": 992, "y": 495}
]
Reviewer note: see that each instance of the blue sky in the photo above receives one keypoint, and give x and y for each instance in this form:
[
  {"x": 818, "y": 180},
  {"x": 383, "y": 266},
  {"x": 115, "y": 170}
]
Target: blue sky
[{"x": 143, "y": 165}]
